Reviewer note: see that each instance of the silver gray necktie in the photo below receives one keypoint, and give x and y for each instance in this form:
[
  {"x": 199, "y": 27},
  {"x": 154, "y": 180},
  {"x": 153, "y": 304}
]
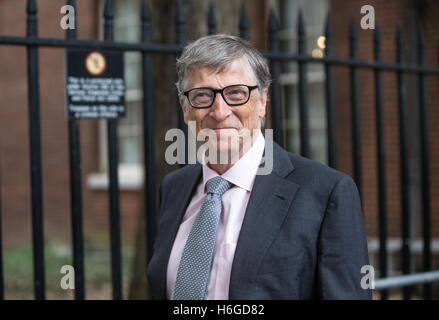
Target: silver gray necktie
[{"x": 196, "y": 261}]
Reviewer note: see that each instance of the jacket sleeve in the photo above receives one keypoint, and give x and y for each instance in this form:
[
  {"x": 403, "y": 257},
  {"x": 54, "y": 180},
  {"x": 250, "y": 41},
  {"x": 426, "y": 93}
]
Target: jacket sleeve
[
  {"x": 342, "y": 246},
  {"x": 155, "y": 291}
]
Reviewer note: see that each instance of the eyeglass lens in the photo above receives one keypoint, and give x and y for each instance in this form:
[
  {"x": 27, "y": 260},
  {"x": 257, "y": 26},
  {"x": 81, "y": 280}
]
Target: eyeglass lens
[{"x": 232, "y": 95}]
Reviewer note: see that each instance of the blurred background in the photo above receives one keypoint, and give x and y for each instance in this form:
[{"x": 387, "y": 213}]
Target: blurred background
[{"x": 398, "y": 177}]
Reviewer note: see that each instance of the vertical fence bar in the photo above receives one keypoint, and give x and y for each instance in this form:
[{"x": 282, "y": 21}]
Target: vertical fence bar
[
  {"x": 302, "y": 86},
  {"x": 211, "y": 20},
  {"x": 114, "y": 183},
  {"x": 425, "y": 163},
  {"x": 405, "y": 196},
  {"x": 148, "y": 133},
  {"x": 35, "y": 154},
  {"x": 356, "y": 121},
  {"x": 243, "y": 23},
  {"x": 276, "y": 108},
  {"x": 1, "y": 242},
  {"x": 179, "y": 24},
  {"x": 75, "y": 189},
  {"x": 329, "y": 96},
  {"x": 181, "y": 39},
  {"x": 381, "y": 160}
]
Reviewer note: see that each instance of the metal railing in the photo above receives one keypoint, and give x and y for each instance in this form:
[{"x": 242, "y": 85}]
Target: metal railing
[
  {"x": 408, "y": 280},
  {"x": 146, "y": 47}
]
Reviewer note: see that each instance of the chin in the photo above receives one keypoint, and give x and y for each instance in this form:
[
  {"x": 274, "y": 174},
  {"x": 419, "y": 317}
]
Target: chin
[{"x": 224, "y": 153}]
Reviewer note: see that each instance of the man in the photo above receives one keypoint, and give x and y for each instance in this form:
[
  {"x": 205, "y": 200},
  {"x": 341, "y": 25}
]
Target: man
[{"x": 227, "y": 232}]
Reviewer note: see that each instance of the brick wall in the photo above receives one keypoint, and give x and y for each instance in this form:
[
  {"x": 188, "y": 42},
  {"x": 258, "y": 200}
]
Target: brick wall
[
  {"x": 388, "y": 15},
  {"x": 14, "y": 148}
]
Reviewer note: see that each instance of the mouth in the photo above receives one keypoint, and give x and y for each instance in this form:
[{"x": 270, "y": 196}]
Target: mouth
[{"x": 224, "y": 130}]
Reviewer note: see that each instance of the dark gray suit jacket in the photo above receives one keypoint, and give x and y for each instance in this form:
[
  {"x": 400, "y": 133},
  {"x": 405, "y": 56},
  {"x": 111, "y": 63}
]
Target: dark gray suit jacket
[{"x": 302, "y": 236}]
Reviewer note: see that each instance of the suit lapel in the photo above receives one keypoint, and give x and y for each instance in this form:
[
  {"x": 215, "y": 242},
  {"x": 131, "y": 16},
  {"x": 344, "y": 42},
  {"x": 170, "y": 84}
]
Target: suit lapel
[
  {"x": 179, "y": 198},
  {"x": 270, "y": 198}
]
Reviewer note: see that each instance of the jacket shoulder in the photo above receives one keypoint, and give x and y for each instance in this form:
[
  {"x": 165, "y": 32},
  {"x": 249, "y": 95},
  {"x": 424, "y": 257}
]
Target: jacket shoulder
[
  {"x": 310, "y": 171},
  {"x": 180, "y": 173}
]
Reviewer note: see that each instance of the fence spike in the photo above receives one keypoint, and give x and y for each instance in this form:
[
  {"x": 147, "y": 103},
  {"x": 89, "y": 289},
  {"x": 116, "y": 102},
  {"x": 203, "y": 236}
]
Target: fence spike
[
  {"x": 438, "y": 52},
  {"x": 301, "y": 33},
  {"x": 146, "y": 22},
  {"x": 108, "y": 10},
  {"x": 211, "y": 20},
  {"x": 328, "y": 35},
  {"x": 328, "y": 26},
  {"x": 399, "y": 45},
  {"x": 179, "y": 12},
  {"x": 243, "y": 23},
  {"x": 352, "y": 29},
  {"x": 71, "y": 33},
  {"x": 108, "y": 21},
  {"x": 272, "y": 22},
  {"x": 420, "y": 31},
  {"x": 31, "y": 8},
  {"x": 272, "y": 30},
  {"x": 179, "y": 23},
  {"x": 352, "y": 39},
  {"x": 146, "y": 16},
  {"x": 301, "y": 24},
  {"x": 32, "y": 26},
  {"x": 421, "y": 44},
  {"x": 377, "y": 42},
  {"x": 377, "y": 34}
]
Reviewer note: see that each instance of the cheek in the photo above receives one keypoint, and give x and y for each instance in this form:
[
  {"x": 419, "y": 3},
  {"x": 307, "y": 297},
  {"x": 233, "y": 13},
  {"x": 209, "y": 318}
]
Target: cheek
[
  {"x": 197, "y": 115},
  {"x": 249, "y": 114}
]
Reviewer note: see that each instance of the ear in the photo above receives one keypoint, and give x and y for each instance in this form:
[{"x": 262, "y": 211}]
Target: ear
[{"x": 263, "y": 103}]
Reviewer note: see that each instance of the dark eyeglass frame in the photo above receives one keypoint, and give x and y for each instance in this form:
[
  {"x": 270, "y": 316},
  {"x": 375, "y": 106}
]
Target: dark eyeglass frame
[{"x": 215, "y": 91}]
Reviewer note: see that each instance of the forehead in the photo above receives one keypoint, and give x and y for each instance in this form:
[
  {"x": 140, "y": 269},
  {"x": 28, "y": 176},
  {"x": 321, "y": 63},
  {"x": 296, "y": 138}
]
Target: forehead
[{"x": 239, "y": 71}]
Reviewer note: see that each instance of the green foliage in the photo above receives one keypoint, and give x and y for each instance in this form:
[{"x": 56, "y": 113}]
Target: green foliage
[{"x": 18, "y": 270}]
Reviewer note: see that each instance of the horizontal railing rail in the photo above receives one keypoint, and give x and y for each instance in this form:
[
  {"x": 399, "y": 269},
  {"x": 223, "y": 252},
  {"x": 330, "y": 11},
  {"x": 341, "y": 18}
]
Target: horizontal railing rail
[
  {"x": 176, "y": 49},
  {"x": 406, "y": 280}
]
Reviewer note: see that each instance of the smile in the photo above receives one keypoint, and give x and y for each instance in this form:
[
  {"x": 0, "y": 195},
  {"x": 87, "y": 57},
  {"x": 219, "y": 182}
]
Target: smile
[{"x": 226, "y": 129}]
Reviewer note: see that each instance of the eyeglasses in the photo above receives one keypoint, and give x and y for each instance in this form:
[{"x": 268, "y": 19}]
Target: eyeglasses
[{"x": 234, "y": 95}]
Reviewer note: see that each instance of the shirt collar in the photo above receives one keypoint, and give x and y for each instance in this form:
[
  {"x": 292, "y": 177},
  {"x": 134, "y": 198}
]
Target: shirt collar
[{"x": 243, "y": 172}]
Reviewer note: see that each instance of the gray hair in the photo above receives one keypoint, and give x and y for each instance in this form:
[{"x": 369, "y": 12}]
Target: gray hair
[{"x": 217, "y": 52}]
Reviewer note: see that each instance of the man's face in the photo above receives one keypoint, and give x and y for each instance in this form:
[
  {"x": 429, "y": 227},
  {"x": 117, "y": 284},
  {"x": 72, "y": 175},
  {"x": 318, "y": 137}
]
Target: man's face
[{"x": 228, "y": 122}]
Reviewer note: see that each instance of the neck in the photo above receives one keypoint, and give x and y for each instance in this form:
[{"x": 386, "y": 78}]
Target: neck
[{"x": 220, "y": 168}]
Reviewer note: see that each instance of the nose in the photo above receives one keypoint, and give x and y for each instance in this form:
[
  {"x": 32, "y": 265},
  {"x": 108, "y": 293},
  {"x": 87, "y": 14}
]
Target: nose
[{"x": 219, "y": 110}]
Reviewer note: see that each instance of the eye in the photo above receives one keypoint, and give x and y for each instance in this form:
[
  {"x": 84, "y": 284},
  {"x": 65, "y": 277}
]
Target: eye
[
  {"x": 200, "y": 97},
  {"x": 236, "y": 94}
]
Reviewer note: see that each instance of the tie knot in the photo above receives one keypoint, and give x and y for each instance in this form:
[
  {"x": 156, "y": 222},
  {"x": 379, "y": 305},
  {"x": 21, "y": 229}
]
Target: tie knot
[{"x": 217, "y": 185}]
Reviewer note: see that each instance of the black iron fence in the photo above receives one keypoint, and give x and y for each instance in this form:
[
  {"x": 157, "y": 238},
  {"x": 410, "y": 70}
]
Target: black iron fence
[{"x": 146, "y": 47}]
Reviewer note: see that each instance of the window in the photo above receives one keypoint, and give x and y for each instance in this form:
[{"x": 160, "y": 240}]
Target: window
[
  {"x": 127, "y": 29},
  {"x": 314, "y": 14}
]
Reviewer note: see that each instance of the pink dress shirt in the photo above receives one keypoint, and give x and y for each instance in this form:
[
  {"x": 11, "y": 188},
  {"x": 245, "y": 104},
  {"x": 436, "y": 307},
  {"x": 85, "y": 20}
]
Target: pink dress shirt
[{"x": 234, "y": 201}]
